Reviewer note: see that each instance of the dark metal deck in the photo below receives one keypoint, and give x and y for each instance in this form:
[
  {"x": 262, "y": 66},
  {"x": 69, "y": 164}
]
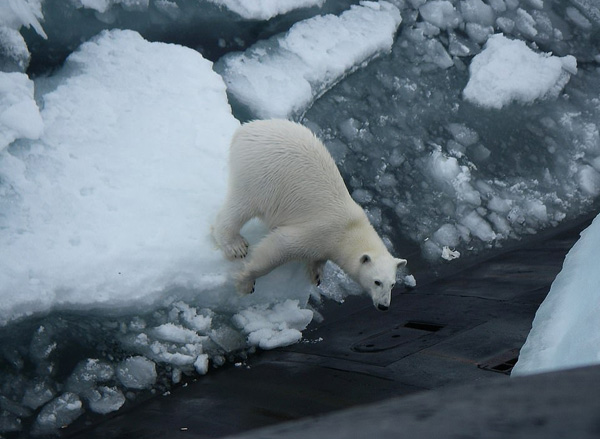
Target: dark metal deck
[{"x": 466, "y": 328}]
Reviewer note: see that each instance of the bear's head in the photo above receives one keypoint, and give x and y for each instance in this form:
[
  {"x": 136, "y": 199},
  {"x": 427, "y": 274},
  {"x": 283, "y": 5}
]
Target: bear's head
[{"x": 377, "y": 275}]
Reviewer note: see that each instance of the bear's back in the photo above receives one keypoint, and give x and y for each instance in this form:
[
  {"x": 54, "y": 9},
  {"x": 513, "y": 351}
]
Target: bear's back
[{"x": 288, "y": 168}]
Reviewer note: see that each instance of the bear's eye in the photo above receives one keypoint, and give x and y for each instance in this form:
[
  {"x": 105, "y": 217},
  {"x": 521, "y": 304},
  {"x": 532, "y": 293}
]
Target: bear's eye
[{"x": 377, "y": 283}]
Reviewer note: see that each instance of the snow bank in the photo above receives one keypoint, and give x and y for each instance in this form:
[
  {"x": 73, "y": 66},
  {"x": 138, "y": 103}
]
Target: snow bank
[
  {"x": 281, "y": 77},
  {"x": 507, "y": 70},
  {"x": 19, "y": 115},
  {"x": 14, "y": 55},
  {"x": 112, "y": 207},
  {"x": 265, "y": 9},
  {"x": 566, "y": 328}
]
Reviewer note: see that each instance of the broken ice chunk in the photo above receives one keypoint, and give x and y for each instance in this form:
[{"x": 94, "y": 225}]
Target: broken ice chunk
[
  {"x": 201, "y": 364},
  {"x": 265, "y": 10},
  {"x": 449, "y": 254},
  {"x": 440, "y": 13},
  {"x": 105, "y": 399},
  {"x": 37, "y": 394},
  {"x": 281, "y": 76},
  {"x": 507, "y": 70},
  {"x": 176, "y": 334},
  {"x": 478, "y": 226},
  {"x": 137, "y": 373},
  {"x": 58, "y": 413},
  {"x": 476, "y": 11},
  {"x": 410, "y": 281},
  {"x": 447, "y": 235},
  {"x": 269, "y": 328},
  {"x": 87, "y": 373}
]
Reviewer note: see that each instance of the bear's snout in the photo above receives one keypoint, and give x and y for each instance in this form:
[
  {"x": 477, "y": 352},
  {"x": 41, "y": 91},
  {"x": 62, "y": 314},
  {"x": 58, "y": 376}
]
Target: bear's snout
[{"x": 381, "y": 307}]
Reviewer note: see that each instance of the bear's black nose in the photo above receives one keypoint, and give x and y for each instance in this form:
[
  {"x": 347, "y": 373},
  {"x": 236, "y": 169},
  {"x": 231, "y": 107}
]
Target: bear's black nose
[{"x": 382, "y": 307}]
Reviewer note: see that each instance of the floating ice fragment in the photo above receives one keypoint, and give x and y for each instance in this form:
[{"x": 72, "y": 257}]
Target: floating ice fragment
[
  {"x": 176, "y": 334},
  {"x": 578, "y": 18},
  {"x": 498, "y": 5},
  {"x": 479, "y": 33},
  {"x": 266, "y": 9},
  {"x": 447, "y": 236},
  {"x": 525, "y": 23},
  {"x": 537, "y": 4},
  {"x": 463, "y": 134},
  {"x": 177, "y": 355},
  {"x": 478, "y": 227},
  {"x": 499, "y": 205},
  {"x": 137, "y": 373},
  {"x": 9, "y": 423},
  {"x": 281, "y": 77},
  {"x": 536, "y": 210},
  {"x": 201, "y": 364},
  {"x": 105, "y": 399},
  {"x": 507, "y": 70},
  {"x": 410, "y": 281},
  {"x": 362, "y": 196},
  {"x": 505, "y": 24},
  {"x": 589, "y": 180},
  {"x": 189, "y": 315},
  {"x": 476, "y": 11},
  {"x": 444, "y": 169},
  {"x": 37, "y": 394},
  {"x": 440, "y": 13},
  {"x": 100, "y": 6},
  {"x": 87, "y": 373},
  {"x": 57, "y": 413},
  {"x": 269, "y": 328},
  {"x": 449, "y": 254}
]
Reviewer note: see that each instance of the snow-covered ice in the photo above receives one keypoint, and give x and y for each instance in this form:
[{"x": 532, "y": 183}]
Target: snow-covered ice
[
  {"x": 19, "y": 115},
  {"x": 508, "y": 71},
  {"x": 566, "y": 328},
  {"x": 14, "y": 14},
  {"x": 282, "y": 76},
  {"x": 110, "y": 207}
]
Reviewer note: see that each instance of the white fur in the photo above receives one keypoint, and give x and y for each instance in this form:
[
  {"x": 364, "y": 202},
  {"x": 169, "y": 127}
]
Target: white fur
[{"x": 281, "y": 173}]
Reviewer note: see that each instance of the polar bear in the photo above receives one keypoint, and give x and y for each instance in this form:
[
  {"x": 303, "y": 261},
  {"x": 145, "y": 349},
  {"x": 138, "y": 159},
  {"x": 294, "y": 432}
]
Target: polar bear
[{"x": 281, "y": 173}]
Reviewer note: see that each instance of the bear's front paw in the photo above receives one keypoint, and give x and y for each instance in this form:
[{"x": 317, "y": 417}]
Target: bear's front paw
[
  {"x": 236, "y": 249},
  {"x": 244, "y": 285}
]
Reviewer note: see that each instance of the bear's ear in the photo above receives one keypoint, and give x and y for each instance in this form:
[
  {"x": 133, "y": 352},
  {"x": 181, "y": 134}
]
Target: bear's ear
[
  {"x": 365, "y": 258},
  {"x": 401, "y": 262}
]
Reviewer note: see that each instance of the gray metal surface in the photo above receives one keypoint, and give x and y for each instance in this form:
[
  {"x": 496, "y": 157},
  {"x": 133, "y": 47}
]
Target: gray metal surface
[
  {"x": 556, "y": 405},
  {"x": 465, "y": 328}
]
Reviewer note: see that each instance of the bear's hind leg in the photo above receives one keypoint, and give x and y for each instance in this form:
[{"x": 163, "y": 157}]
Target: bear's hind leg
[
  {"x": 315, "y": 271},
  {"x": 226, "y": 230}
]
